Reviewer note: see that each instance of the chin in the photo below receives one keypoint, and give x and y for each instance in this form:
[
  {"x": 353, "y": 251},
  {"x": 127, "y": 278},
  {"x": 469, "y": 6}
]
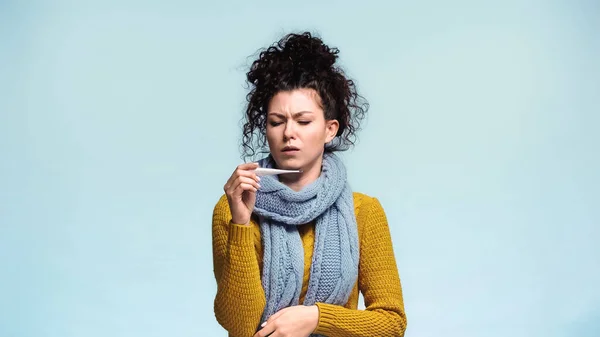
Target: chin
[{"x": 289, "y": 163}]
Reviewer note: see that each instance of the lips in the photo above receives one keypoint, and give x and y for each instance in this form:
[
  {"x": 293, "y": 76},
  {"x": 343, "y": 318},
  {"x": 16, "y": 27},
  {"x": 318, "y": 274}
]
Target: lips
[{"x": 290, "y": 149}]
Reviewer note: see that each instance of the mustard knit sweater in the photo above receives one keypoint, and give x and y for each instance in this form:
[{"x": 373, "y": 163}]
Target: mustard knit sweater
[{"x": 240, "y": 299}]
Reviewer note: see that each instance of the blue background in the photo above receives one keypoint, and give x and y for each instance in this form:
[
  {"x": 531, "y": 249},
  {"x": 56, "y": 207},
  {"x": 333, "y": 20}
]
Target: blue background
[{"x": 120, "y": 123}]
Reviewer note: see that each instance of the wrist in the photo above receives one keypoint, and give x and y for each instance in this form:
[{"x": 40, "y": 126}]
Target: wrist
[
  {"x": 241, "y": 223},
  {"x": 315, "y": 316}
]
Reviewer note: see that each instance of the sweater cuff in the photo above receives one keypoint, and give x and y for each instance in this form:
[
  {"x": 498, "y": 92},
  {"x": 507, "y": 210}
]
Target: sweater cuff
[
  {"x": 240, "y": 235},
  {"x": 326, "y": 319}
]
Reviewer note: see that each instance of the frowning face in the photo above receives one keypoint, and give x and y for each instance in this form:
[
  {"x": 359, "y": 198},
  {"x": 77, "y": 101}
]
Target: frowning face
[{"x": 297, "y": 130}]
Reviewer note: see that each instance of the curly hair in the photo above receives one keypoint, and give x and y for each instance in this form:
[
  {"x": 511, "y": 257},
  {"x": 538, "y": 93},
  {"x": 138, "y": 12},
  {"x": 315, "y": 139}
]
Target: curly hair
[{"x": 301, "y": 61}]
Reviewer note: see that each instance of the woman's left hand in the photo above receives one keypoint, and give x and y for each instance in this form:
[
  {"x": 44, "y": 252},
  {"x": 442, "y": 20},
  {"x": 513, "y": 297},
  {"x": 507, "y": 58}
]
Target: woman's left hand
[{"x": 296, "y": 321}]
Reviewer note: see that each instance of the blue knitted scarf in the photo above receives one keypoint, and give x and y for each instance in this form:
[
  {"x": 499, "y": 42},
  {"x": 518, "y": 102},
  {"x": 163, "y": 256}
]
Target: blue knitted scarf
[{"x": 334, "y": 268}]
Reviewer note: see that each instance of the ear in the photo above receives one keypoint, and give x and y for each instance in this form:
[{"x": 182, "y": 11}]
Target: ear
[{"x": 331, "y": 128}]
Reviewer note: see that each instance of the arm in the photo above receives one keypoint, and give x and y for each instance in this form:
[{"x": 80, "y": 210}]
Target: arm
[
  {"x": 378, "y": 281},
  {"x": 240, "y": 299}
]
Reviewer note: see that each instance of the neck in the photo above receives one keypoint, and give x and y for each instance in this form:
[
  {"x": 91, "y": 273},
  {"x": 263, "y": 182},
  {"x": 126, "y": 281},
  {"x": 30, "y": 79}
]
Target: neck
[{"x": 297, "y": 181}]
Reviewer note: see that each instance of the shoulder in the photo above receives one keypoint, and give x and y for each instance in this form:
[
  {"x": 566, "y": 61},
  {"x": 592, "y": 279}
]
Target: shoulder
[
  {"x": 367, "y": 209},
  {"x": 371, "y": 220},
  {"x": 363, "y": 201}
]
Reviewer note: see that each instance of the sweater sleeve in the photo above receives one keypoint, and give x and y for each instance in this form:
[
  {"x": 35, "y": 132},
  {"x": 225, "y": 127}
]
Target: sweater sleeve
[
  {"x": 378, "y": 281},
  {"x": 240, "y": 299}
]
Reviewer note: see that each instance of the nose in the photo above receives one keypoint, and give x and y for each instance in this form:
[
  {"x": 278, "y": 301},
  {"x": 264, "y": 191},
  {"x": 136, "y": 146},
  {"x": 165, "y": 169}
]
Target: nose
[{"x": 289, "y": 131}]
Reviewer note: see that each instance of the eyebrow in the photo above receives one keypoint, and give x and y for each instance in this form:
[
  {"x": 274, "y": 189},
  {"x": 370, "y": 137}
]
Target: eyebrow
[{"x": 295, "y": 114}]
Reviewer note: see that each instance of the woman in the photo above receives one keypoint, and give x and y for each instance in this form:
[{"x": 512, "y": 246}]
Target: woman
[{"x": 291, "y": 252}]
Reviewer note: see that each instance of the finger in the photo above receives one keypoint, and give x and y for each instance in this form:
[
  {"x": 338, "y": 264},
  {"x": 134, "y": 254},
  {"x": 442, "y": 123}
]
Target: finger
[
  {"x": 266, "y": 331},
  {"x": 242, "y": 183},
  {"x": 234, "y": 181},
  {"x": 229, "y": 182},
  {"x": 248, "y": 166},
  {"x": 246, "y": 173},
  {"x": 248, "y": 187},
  {"x": 238, "y": 190},
  {"x": 243, "y": 170},
  {"x": 269, "y": 324}
]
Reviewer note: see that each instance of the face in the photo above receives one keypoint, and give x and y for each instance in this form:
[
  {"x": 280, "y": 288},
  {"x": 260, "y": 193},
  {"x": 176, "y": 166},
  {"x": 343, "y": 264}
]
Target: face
[{"x": 297, "y": 130}]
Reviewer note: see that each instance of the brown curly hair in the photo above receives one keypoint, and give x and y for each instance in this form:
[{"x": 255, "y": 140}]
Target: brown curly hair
[{"x": 301, "y": 61}]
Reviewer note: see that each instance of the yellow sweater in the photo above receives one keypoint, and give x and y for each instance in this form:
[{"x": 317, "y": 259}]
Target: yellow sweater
[{"x": 240, "y": 299}]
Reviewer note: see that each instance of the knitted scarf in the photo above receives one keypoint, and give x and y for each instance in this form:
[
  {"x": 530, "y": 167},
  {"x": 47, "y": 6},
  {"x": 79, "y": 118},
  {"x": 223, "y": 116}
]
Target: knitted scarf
[{"x": 334, "y": 267}]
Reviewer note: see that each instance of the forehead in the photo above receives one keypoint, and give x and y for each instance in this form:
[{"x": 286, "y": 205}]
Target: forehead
[{"x": 294, "y": 101}]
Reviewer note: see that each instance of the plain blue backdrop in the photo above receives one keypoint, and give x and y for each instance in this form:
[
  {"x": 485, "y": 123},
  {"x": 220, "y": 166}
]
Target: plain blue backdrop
[{"x": 120, "y": 123}]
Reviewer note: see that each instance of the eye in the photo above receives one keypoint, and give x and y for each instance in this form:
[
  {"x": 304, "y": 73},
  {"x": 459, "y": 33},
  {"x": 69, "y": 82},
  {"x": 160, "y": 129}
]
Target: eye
[
  {"x": 304, "y": 122},
  {"x": 273, "y": 123}
]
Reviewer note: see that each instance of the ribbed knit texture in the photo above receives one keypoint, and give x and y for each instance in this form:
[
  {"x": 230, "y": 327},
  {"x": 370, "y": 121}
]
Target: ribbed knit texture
[
  {"x": 240, "y": 299},
  {"x": 328, "y": 201}
]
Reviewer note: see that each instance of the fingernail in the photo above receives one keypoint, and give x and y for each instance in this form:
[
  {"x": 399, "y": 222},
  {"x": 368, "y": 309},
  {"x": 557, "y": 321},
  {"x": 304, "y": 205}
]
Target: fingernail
[{"x": 263, "y": 325}]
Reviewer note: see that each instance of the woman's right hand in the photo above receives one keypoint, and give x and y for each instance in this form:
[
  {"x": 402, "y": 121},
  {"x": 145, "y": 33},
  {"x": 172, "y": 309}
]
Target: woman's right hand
[{"x": 241, "y": 192}]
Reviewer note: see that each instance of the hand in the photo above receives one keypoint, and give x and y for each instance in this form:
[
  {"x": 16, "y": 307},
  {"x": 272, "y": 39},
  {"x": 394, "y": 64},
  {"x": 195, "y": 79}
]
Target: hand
[
  {"x": 296, "y": 321},
  {"x": 241, "y": 192}
]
